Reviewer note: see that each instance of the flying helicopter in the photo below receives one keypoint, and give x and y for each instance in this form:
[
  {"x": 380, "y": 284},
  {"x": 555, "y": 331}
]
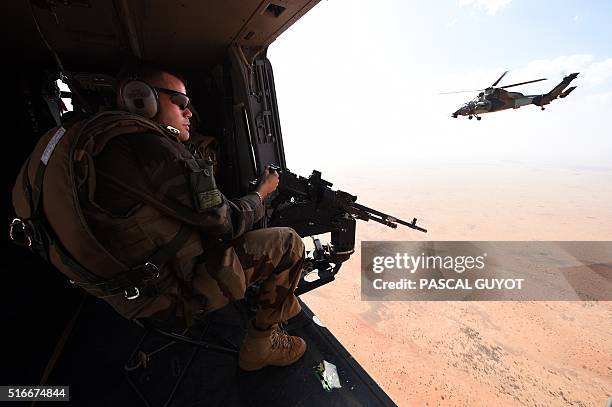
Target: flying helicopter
[{"x": 494, "y": 99}]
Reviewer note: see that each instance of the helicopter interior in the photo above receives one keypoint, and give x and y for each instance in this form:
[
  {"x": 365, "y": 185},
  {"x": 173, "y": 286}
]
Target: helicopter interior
[
  {"x": 219, "y": 47},
  {"x": 60, "y": 335}
]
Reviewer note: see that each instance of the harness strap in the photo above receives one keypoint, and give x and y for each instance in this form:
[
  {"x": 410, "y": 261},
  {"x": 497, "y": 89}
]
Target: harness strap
[
  {"x": 141, "y": 277},
  {"x": 165, "y": 206}
]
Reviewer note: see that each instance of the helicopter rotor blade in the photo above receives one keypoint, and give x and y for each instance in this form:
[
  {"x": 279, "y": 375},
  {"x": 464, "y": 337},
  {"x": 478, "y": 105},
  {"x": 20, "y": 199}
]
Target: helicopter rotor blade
[
  {"x": 460, "y": 91},
  {"x": 523, "y": 83},
  {"x": 499, "y": 79}
]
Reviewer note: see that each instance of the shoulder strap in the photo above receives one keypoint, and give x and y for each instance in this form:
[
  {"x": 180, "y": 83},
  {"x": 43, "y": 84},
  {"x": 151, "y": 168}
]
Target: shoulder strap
[
  {"x": 104, "y": 126},
  {"x": 177, "y": 210}
]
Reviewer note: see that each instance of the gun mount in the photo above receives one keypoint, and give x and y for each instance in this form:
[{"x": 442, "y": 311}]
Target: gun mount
[{"x": 312, "y": 207}]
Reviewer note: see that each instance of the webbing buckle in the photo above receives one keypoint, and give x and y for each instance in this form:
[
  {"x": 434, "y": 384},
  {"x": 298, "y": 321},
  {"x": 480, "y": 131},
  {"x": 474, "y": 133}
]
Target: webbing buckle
[
  {"x": 131, "y": 293},
  {"x": 152, "y": 272},
  {"x": 18, "y": 222},
  {"x": 151, "y": 269}
]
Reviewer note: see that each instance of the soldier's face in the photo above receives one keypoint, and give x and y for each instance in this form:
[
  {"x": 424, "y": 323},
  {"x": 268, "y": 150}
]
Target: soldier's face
[{"x": 170, "y": 114}]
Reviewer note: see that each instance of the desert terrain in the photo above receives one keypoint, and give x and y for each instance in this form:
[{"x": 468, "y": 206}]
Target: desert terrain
[{"x": 479, "y": 353}]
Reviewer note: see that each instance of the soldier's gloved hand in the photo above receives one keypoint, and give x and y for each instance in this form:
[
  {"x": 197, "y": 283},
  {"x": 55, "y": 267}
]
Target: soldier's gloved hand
[{"x": 267, "y": 183}]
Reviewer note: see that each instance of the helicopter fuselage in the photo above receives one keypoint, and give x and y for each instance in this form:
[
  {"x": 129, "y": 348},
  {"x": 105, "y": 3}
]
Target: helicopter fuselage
[{"x": 494, "y": 100}]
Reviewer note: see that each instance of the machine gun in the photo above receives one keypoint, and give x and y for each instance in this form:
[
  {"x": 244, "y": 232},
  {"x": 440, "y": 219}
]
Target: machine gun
[{"x": 311, "y": 207}]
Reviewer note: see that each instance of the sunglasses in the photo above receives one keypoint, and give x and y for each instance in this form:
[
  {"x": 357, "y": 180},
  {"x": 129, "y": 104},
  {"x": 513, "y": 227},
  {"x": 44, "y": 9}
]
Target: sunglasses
[{"x": 178, "y": 98}]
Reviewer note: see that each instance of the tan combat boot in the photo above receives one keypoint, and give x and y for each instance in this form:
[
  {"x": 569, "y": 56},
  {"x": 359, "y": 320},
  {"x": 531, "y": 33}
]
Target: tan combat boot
[{"x": 272, "y": 347}]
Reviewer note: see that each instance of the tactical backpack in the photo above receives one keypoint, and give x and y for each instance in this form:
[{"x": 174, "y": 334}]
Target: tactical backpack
[{"x": 49, "y": 218}]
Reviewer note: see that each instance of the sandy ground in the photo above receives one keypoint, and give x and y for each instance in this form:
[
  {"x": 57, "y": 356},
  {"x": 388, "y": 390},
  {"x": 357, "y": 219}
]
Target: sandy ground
[{"x": 480, "y": 353}]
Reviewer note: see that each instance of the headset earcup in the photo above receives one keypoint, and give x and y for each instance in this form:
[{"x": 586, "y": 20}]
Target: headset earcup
[{"x": 140, "y": 98}]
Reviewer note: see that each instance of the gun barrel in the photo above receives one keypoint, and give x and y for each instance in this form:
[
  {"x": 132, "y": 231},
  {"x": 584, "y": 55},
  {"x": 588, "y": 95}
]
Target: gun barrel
[
  {"x": 388, "y": 219},
  {"x": 412, "y": 225}
]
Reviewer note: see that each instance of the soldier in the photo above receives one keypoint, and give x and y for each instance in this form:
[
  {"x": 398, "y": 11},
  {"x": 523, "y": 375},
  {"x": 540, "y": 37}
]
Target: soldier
[
  {"x": 235, "y": 256},
  {"x": 154, "y": 208}
]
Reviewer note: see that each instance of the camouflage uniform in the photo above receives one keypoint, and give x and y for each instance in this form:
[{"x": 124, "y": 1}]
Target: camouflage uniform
[
  {"x": 223, "y": 255},
  {"x": 272, "y": 257}
]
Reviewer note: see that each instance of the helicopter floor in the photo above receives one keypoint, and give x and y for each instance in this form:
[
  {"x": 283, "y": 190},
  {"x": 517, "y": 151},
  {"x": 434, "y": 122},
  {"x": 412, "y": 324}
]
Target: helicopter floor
[{"x": 177, "y": 374}]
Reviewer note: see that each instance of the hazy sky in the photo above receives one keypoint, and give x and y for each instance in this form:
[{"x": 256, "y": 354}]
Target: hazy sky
[{"x": 358, "y": 82}]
